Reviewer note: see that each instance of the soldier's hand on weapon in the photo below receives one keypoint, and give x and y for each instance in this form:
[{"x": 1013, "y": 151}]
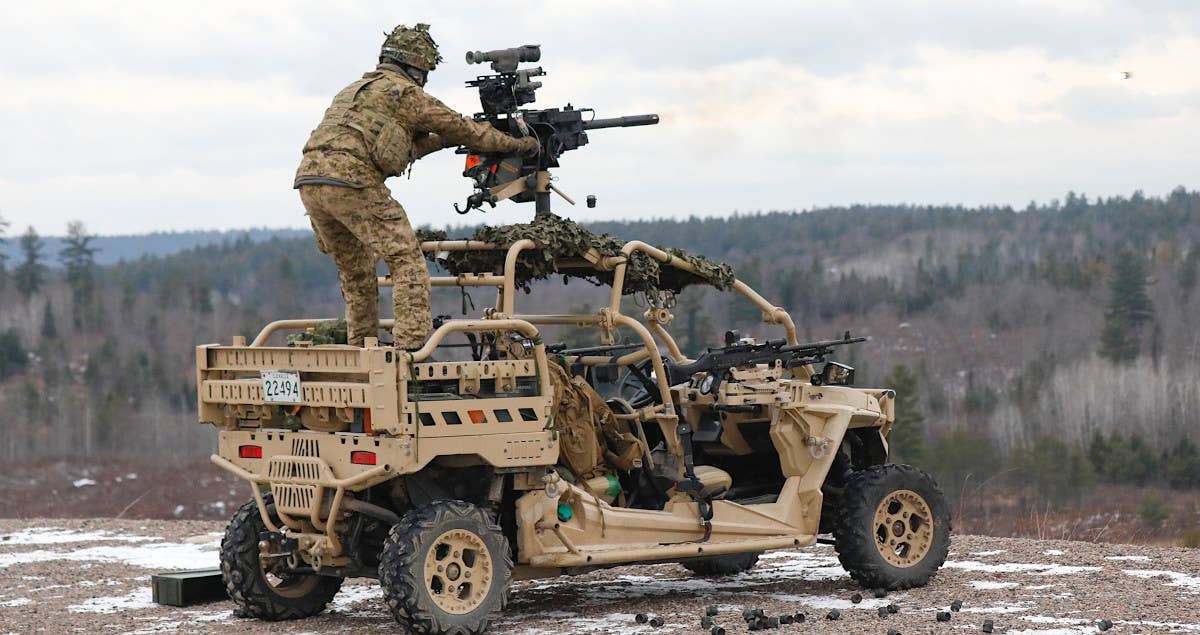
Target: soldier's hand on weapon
[{"x": 529, "y": 146}]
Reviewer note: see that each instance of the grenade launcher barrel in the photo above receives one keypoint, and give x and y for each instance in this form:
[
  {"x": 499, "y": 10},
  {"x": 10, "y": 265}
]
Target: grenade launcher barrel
[{"x": 621, "y": 122}]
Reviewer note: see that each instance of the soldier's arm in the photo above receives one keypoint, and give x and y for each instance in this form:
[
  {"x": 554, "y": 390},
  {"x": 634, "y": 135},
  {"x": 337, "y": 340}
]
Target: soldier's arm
[
  {"x": 451, "y": 128},
  {"x": 429, "y": 143}
]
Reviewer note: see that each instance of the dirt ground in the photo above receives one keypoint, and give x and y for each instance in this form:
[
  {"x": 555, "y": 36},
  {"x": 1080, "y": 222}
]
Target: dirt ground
[{"x": 93, "y": 576}]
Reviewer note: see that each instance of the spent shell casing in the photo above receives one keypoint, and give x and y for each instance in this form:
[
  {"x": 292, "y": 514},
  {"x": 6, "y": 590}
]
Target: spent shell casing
[
  {"x": 856, "y": 598},
  {"x": 706, "y": 622},
  {"x": 833, "y": 615},
  {"x": 710, "y": 611},
  {"x": 943, "y": 616},
  {"x": 956, "y": 605},
  {"x": 717, "y": 630},
  {"x": 893, "y": 609},
  {"x": 883, "y": 612},
  {"x": 1104, "y": 625},
  {"x": 892, "y": 631},
  {"x": 641, "y": 618},
  {"x": 988, "y": 625},
  {"x": 657, "y": 622},
  {"x": 799, "y": 617}
]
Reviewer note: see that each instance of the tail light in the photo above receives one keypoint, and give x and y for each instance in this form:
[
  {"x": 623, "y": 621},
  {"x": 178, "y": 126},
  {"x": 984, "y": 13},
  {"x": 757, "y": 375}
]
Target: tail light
[
  {"x": 362, "y": 457},
  {"x": 250, "y": 451}
]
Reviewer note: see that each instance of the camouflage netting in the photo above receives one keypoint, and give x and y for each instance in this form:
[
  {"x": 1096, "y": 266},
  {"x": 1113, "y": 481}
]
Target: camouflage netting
[
  {"x": 325, "y": 332},
  {"x": 560, "y": 238}
]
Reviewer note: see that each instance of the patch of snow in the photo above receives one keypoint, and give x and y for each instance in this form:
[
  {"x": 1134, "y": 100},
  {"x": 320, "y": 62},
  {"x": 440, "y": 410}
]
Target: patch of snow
[
  {"x": 131, "y": 476},
  {"x": 829, "y": 601},
  {"x": 178, "y": 510},
  {"x": 1054, "y": 552},
  {"x": 994, "y": 552},
  {"x": 1000, "y": 608},
  {"x": 83, "y": 482},
  {"x": 150, "y": 556},
  {"x": 1007, "y": 567},
  {"x": 135, "y": 600},
  {"x": 1129, "y": 558},
  {"x": 351, "y": 594},
  {"x": 988, "y": 585},
  {"x": 1060, "y": 569},
  {"x": 16, "y": 602},
  {"x": 57, "y": 535},
  {"x": 1018, "y": 567},
  {"x": 1177, "y": 579}
]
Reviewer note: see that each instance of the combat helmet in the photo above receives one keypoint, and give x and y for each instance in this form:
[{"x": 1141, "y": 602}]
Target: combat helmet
[{"x": 412, "y": 47}]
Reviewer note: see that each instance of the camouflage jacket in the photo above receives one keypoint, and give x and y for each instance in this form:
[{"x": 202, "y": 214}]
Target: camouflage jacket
[{"x": 377, "y": 126}]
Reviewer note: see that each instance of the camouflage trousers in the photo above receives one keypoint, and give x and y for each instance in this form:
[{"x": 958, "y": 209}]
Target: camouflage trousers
[{"x": 357, "y": 227}]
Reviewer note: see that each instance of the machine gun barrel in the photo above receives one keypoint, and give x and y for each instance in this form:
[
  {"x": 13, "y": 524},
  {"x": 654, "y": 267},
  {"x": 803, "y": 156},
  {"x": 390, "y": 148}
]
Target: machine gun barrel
[{"x": 621, "y": 122}]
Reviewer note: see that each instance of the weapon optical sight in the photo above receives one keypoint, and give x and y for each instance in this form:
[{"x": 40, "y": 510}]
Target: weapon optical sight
[{"x": 506, "y": 60}]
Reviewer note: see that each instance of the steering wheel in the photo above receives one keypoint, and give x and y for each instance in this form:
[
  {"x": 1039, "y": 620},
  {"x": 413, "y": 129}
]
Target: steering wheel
[{"x": 637, "y": 387}]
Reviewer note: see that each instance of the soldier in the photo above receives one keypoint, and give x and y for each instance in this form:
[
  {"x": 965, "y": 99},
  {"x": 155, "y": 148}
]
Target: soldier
[{"x": 375, "y": 129}]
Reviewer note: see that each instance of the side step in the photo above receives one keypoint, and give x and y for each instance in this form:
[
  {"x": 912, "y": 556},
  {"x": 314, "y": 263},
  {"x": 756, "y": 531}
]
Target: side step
[{"x": 185, "y": 588}]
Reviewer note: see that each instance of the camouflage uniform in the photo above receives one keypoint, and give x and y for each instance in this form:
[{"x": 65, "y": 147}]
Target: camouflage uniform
[{"x": 375, "y": 128}]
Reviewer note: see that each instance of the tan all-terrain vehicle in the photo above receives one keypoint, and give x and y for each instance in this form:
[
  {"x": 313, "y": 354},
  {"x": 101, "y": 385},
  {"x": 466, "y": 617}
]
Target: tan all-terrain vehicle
[{"x": 446, "y": 480}]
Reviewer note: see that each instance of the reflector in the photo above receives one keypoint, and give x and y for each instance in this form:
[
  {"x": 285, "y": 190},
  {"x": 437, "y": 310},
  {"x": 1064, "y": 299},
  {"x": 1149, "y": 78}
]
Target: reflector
[
  {"x": 361, "y": 457},
  {"x": 250, "y": 451}
]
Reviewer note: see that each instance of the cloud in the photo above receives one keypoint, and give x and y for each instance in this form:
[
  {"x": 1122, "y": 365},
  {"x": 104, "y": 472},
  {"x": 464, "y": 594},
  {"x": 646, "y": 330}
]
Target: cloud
[{"x": 137, "y": 116}]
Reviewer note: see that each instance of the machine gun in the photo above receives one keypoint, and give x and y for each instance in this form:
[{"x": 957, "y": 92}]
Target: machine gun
[
  {"x": 716, "y": 361},
  {"x": 502, "y": 176}
]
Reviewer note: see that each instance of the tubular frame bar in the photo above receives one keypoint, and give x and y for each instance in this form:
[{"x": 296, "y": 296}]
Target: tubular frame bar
[{"x": 771, "y": 313}]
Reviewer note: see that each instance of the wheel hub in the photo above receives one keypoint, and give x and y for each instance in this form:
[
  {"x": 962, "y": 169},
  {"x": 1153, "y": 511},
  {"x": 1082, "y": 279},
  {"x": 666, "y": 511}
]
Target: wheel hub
[
  {"x": 458, "y": 571},
  {"x": 903, "y": 528}
]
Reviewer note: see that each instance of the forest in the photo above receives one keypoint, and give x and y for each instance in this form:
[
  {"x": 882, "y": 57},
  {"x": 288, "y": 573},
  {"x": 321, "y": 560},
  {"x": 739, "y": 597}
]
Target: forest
[{"x": 1050, "y": 350}]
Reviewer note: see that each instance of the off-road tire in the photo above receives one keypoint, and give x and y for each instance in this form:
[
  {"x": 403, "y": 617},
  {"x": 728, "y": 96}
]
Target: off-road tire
[
  {"x": 410, "y": 545},
  {"x": 861, "y": 542},
  {"x": 298, "y": 597},
  {"x": 729, "y": 564}
]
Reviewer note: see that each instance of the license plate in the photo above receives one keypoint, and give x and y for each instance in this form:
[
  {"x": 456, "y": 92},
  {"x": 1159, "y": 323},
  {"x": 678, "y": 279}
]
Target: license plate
[{"x": 280, "y": 386}]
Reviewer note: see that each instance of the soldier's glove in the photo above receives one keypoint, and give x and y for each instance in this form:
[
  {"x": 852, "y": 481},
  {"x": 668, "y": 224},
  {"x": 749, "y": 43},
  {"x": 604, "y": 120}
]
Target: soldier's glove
[{"x": 528, "y": 146}]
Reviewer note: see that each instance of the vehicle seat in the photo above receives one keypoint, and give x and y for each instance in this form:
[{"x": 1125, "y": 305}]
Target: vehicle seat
[{"x": 713, "y": 478}]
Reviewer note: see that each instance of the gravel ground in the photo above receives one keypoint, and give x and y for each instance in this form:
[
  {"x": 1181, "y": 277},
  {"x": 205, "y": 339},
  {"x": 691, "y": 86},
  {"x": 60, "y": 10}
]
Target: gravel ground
[{"x": 65, "y": 576}]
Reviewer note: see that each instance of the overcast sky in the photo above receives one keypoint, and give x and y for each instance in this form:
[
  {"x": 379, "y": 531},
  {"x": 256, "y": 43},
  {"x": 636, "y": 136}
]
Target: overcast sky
[{"x": 143, "y": 116}]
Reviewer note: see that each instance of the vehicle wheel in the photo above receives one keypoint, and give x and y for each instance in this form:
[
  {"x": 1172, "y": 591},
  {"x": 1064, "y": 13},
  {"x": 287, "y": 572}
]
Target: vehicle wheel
[
  {"x": 266, "y": 591},
  {"x": 728, "y": 564},
  {"x": 892, "y": 529},
  {"x": 446, "y": 568}
]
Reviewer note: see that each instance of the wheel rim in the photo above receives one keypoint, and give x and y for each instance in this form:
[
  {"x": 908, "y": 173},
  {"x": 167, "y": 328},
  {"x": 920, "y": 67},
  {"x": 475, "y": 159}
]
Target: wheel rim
[
  {"x": 903, "y": 528},
  {"x": 458, "y": 571},
  {"x": 288, "y": 585}
]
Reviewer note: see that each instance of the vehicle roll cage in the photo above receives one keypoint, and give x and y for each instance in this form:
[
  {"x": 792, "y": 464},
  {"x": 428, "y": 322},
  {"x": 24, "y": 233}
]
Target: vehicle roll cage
[{"x": 503, "y": 316}]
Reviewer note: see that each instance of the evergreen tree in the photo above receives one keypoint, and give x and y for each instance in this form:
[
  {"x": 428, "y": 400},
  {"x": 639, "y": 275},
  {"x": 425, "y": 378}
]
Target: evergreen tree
[
  {"x": 1181, "y": 465},
  {"x": 1188, "y": 271},
  {"x": 31, "y": 273},
  {"x": 906, "y": 441},
  {"x": 1129, "y": 308},
  {"x": 49, "y": 327},
  {"x": 3, "y": 255},
  {"x": 78, "y": 258},
  {"x": 13, "y": 357}
]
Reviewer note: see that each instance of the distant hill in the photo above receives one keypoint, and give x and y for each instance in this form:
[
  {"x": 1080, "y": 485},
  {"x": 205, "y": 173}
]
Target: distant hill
[{"x": 113, "y": 249}]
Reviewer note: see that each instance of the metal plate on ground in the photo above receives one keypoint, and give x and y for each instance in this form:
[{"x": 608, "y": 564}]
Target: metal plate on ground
[{"x": 185, "y": 588}]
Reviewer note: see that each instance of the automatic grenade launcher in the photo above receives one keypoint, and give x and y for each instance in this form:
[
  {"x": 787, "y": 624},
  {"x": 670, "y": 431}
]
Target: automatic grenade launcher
[{"x": 500, "y": 176}]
